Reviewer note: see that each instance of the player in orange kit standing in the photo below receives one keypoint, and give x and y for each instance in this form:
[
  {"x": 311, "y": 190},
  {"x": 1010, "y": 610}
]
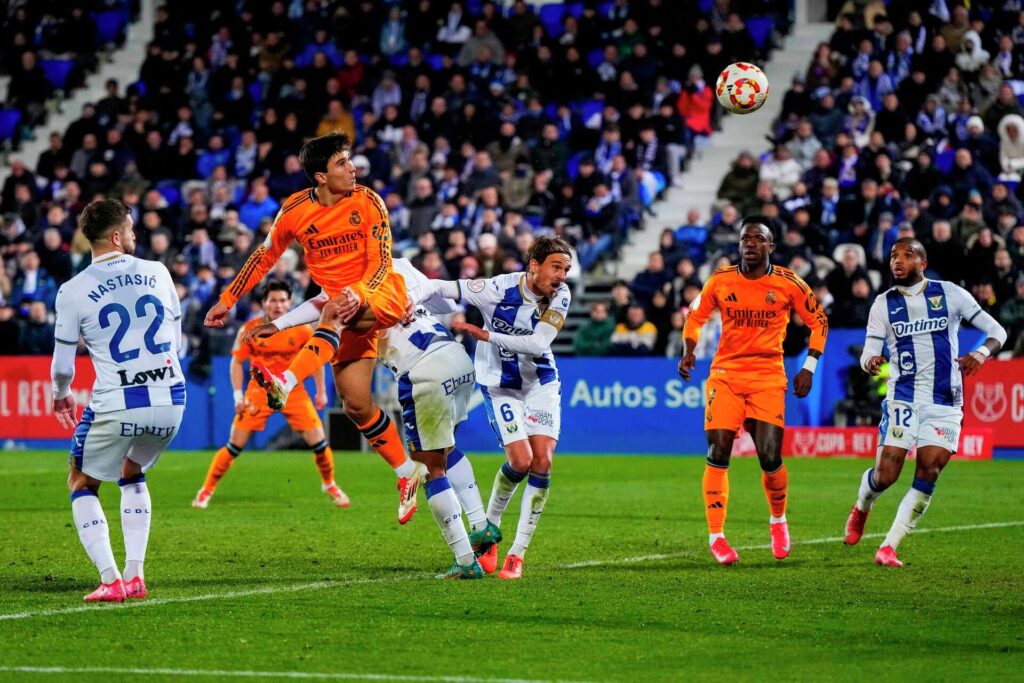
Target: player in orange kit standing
[
  {"x": 345, "y": 233},
  {"x": 748, "y": 383},
  {"x": 251, "y": 409}
]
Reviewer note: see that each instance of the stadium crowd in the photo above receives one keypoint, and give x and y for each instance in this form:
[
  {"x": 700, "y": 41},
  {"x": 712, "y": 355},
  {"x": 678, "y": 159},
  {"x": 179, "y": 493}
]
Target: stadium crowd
[
  {"x": 906, "y": 123},
  {"x": 478, "y": 126},
  {"x": 481, "y": 127}
]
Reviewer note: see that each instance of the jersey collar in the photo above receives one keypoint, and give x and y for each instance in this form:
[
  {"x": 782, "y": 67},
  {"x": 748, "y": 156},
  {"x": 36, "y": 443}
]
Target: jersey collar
[
  {"x": 924, "y": 283},
  {"x": 524, "y": 291},
  {"x": 112, "y": 256}
]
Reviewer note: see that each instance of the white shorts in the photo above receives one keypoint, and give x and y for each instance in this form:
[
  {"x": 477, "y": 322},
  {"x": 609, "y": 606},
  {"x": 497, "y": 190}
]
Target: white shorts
[
  {"x": 435, "y": 396},
  {"x": 517, "y": 414},
  {"x": 102, "y": 441},
  {"x": 925, "y": 424}
]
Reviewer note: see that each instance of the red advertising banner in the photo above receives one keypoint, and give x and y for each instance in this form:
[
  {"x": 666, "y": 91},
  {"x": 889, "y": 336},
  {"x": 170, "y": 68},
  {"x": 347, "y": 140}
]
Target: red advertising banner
[
  {"x": 25, "y": 396},
  {"x": 858, "y": 442},
  {"x": 994, "y": 398}
]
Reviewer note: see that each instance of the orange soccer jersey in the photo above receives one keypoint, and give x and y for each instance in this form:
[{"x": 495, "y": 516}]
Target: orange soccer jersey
[
  {"x": 276, "y": 352},
  {"x": 346, "y": 245},
  {"x": 754, "y": 318}
]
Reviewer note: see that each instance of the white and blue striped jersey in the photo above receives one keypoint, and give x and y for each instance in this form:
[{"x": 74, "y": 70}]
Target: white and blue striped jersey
[
  {"x": 408, "y": 343},
  {"x": 509, "y": 307},
  {"x": 920, "y": 328},
  {"x": 128, "y": 312}
]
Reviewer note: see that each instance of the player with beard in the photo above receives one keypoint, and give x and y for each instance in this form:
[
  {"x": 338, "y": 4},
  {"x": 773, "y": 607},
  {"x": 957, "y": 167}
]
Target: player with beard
[
  {"x": 747, "y": 385},
  {"x": 917, "y": 320}
]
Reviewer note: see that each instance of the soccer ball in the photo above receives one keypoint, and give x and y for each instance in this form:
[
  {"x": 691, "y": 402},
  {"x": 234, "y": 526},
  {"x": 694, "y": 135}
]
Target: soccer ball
[{"x": 742, "y": 88}]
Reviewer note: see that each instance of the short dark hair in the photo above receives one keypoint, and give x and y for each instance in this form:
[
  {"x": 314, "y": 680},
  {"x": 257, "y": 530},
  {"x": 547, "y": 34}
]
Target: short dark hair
[
  {"x": 542, "y": 247},
  {"x": 276, "y": 286},
  {"x": 914, "y": 243},
  {"x": 102, "y": 216},
  {"x": 315, "y": 154},
  {"x": 758, "y": 219}
]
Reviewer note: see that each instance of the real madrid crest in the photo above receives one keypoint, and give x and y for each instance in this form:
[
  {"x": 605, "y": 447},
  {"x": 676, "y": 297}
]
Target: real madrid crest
[
  {"x": 770, "y": 297},
  {"x": 354, "y": 218}
]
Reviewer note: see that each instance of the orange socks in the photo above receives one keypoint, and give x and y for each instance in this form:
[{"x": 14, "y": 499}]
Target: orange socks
[
  {"x": 382, "y": 434},
  {"x": 776, "y": 486},
  {"x": 315, "y": 354},
  {"x": 324, "y": 457},
  {"x": 222, "y": 462},
  {"x": 716, "y": 496}
]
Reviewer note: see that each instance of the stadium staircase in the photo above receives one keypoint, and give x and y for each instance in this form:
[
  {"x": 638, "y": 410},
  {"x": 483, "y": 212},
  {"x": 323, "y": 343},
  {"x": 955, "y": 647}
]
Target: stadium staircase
[
  {"x": 122, "y": 64},
  {"x": 711, "y": 163}
]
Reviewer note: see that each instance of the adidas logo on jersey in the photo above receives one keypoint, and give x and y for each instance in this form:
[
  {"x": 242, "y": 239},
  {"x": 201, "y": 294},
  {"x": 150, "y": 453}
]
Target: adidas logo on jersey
[
  {"x": 732, "y": 297},
  {"x": 312, "y": 230}
]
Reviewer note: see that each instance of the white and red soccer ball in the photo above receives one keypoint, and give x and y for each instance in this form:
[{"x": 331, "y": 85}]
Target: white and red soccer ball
[{"x": 742, "y": 88}]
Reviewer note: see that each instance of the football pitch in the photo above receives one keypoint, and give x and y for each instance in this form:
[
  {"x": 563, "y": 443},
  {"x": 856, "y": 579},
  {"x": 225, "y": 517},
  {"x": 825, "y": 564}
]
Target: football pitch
[{"x": 271, "y": 582}]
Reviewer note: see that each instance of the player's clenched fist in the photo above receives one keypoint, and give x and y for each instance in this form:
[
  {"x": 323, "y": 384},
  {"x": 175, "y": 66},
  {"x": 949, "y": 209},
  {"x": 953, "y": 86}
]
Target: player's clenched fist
[
  {"x": 802, "y": 383},
  {"x": 686, "y": 364},
  {"x": 874, "y": 365},
  {"x": 217, "y": 315}
]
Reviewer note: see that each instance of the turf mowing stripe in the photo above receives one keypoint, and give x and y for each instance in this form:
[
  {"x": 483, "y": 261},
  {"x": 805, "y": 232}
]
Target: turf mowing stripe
[
  {"x": 325, "y": 676},
  {"x": 320, "y": 585}
]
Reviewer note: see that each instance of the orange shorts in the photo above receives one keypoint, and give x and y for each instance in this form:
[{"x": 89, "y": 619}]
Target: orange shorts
[
  {"x": 298, "y": 411},
  {"x": 728, "y": 405},
  {"x": 388, "y": 304}
]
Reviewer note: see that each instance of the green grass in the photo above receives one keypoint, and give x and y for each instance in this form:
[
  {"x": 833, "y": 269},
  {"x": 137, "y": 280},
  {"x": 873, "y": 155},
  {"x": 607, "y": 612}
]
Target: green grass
[{"x": 954, "y": 613}]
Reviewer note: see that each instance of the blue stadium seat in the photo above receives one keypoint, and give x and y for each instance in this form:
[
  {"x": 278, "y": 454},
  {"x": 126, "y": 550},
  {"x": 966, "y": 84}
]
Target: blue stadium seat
[
  {"x": 595, "y": 57},
  {"x": 110, "y": 26},
  {"x": 591, "y": 107},
  {"x": 705, "y": 5},
  {"x": 436, "y": 62},
  {"x": 551, "y": 17},
  {"x": 760, "y": 29},
  {"x": 575, "y": 9},
  {"x": 256, "y": 93},
  {"x": 659, "y": 178},
  {"x": 170, "y": 191},
  {"x": 57, "y": 71},
  {"x": 9, "y": 120},
  {"x": 475, "y": 7},
  {"x": 572, "y": 166},
  {"x": 399, "y": 60},
  {"x": 944, "y": 160}
]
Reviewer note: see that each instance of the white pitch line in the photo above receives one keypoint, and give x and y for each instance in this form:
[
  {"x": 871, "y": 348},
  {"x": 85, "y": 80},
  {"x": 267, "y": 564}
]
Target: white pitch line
[
  {"x": 325, "y": 676},
  {"x": 340, "y": 583}
]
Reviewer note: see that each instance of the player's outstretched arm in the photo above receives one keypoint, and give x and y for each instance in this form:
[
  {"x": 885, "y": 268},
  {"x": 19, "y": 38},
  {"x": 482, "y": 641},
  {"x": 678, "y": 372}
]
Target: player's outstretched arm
[
  {"x": 533, "y": 344},
  {"x": 258, "y": 265}
]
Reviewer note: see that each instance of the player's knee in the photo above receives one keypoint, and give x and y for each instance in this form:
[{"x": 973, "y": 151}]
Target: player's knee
[
  {"x": 719, "y": 451},
  {"x": 358, "y": 411},
  {"x": 885, "y": 476},
  {"x": 928, "y": 471},
  {"x": 541, "y": 462},
  {"x": 521, "y": 459}
]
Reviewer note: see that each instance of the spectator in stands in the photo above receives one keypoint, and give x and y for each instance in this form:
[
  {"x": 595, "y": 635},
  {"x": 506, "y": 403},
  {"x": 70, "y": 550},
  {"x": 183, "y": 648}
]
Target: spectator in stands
[
  {"x": 1011, "y": 314},
  {"x": 840, "y": 280},
  {"x": 29, "y": 89},
  {"x": 635, "y": 336},
  {"x": 593, "y": 338},
  {"x": 782, "y": 171},
  {"x": 740, "y": 182},
  {"x": 650, "y": 280},
  {"x": 695, "y": 105},
  {"x": 853, "y": 311},
  {"x": 32, "y": 283},
  {"x": 36, "y": 337}
]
